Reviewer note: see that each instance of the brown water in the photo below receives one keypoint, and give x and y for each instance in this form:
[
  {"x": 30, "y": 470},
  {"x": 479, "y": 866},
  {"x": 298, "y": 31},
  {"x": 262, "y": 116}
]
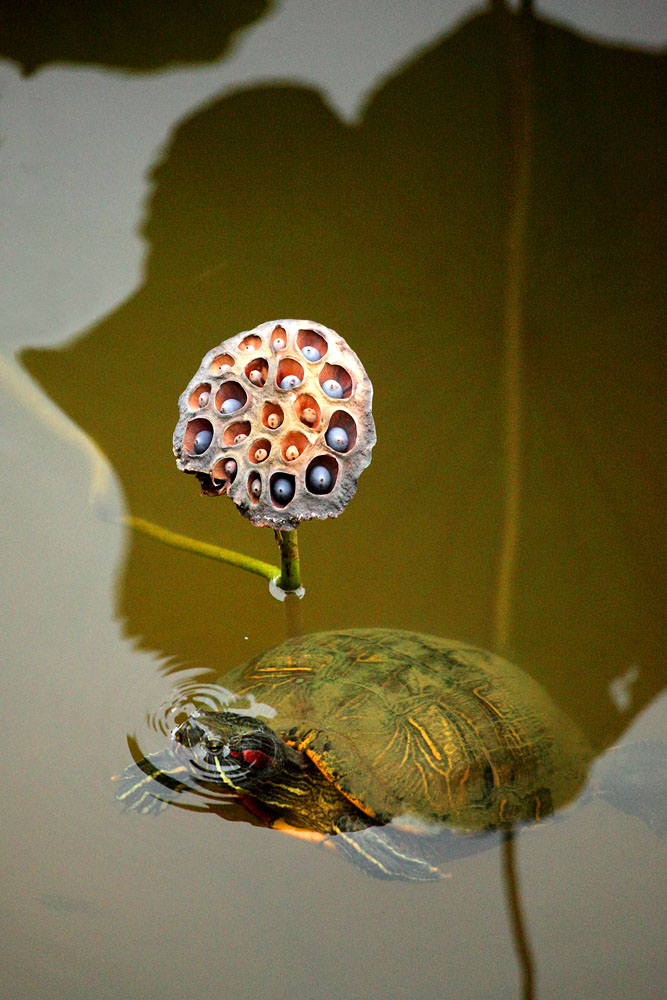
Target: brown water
[{"x": 501, "y": 190}]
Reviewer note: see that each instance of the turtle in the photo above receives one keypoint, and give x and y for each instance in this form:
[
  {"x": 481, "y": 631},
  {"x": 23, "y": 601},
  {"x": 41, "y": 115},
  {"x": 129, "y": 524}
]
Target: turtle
[{"x": 391, "y": 746}]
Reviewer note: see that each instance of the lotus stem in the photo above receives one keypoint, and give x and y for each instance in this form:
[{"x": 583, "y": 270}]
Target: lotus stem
[
  {"x": 290, "y": 571},
  {"x": 175, "y": 541}
]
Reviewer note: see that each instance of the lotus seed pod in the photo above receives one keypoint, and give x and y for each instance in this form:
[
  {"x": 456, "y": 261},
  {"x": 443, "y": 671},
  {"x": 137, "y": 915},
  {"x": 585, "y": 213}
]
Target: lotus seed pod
[{"x": 307, "y": 419}]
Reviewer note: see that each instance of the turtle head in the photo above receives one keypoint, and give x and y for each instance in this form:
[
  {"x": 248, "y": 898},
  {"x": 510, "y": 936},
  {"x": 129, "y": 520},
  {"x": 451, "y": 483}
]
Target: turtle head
[{"x": 238, "y": 750}]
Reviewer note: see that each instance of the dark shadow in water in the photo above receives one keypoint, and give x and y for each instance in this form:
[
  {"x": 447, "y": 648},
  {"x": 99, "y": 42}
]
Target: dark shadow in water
[
  {"x": 393, "y": 232},
  {"x": 128, "y": 34}
]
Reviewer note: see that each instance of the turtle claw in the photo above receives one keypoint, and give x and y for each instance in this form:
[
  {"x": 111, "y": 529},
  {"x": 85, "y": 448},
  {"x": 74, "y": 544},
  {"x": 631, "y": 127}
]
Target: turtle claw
[
  {"x": 151, "y": 784},
  {"x": 373, "y": 851}
]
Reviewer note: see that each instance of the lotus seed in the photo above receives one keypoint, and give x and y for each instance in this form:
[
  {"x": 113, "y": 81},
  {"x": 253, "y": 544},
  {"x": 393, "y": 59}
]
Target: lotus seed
[
  {"x": 202, "y": 441},
  {"x": 260, "y": 454},
  {"x": 333, "y": 388},
  {"x": 230, "y": 467},
  {"x": 310, "y": 353},
  {"x": 336, "y": 438},
  {"x": 291, "y": 453},
  {"x": 256, "y": 487},
  {"x": 256, "y": 377},
  {"x": 274, "y": 420},
  {"x": 291, "y": 382},
  {"x": 203, "y": 398},
  {"x": 239, "y": 438},
  {"x": 282, "y": 489},
  {"x": 308, "y": 415},
  {"x": 279, "y": 343},
  {"x": 231, "y": 405},
  {"x": 318, "y": 479}
]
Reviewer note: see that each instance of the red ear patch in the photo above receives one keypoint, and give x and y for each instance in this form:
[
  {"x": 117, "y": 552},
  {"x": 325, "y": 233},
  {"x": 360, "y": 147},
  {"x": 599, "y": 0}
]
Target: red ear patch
[{"x": 257, "y": 758}]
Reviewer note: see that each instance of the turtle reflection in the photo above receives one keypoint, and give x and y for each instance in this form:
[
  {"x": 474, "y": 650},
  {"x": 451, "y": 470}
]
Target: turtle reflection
[{"x": 398, "y": 748}]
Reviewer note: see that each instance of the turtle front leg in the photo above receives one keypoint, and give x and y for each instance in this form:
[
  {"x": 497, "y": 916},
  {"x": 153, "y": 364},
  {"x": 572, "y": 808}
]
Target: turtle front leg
[
  {"x": 380, "y": 851},
  {"x": 150, "y": 784}
]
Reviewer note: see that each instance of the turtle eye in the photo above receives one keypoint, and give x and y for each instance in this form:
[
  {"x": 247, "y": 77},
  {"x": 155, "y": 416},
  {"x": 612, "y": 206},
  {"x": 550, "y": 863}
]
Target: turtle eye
[{"x": 216, "y": 747}]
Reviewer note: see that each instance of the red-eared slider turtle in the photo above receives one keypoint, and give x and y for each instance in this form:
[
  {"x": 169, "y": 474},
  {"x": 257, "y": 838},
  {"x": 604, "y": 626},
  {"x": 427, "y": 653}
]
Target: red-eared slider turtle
[{"x": 375, "y": 725}]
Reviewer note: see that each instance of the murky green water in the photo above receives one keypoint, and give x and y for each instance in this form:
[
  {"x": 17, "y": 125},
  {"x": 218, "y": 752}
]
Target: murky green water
[{"x": 490, "y": 188}]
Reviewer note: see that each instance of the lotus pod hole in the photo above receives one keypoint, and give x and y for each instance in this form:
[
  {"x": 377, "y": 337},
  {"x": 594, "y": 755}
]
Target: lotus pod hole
[
  {"x": 308, "y": 410},
  {"x": 235, "y": 433},
  {"x": 292, "y": 445},
  {"x": 283, "y": 455},
  {"x": 250, "y": 344},
  {"x": 259, "y": 451},
  {"x": 257, "y": 371},
  {"x": 219, "y": 472},
  {"x": 279, "y": 339},
  {"x": 217, "y": 483},
  {"x": 343, "y": 422},
  {"x": 200, "y": 396},
  {"x": 230, "y": 397},
  {"x": 312, "y": 345},
  {"x": 321, "y": 474},
  {"x": 220, "y": 364},
  {"x": 336, "y": 381},
  {"x": 272, "y": 415},
  {"x": 290, "y": 374},
  {"x": 198, "y": 436},
  {"x": 282, "y": 489}
]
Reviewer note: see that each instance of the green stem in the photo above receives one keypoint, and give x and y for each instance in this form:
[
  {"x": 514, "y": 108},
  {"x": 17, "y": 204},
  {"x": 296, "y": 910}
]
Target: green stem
[
  {"x": 176, "y": 541},
  {"x": 290, "y": 572}
]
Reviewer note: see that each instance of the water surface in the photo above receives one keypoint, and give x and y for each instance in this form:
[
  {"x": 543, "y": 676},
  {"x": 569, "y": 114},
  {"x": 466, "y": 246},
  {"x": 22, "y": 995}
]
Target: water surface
[{"x": 392, "y": 230}]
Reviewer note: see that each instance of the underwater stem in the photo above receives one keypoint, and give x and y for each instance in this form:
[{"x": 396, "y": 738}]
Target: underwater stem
[
  {"x": 198, "y": 548},
  {"x": 290, "y": 571},
  {"x": 521, "y": 943}
]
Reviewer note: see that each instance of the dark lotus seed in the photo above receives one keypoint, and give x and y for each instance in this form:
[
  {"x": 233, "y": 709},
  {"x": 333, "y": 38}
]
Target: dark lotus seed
[
  {"x": 336, "y": 438},
  {"x": 231, "y": 405},
  {"x": 202, "y": 441},
  {"x": 333, "y": 388},
  {"x": 290, "y": 382},
  {"x": 310, "y": 353},
  {"x": 282, "y": 489},
  {"x": 318, "y": 479}
]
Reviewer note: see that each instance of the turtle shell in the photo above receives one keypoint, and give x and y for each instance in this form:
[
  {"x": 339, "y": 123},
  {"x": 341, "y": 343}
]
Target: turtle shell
[{"x": 403, "y": 723}]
